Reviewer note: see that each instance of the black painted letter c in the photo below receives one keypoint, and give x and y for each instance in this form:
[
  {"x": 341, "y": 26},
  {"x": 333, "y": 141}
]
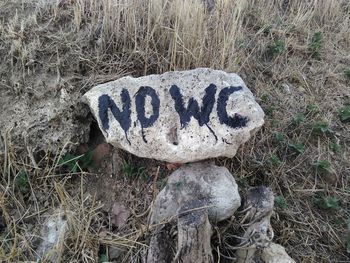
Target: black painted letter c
[{"x": 237, "y": 121}]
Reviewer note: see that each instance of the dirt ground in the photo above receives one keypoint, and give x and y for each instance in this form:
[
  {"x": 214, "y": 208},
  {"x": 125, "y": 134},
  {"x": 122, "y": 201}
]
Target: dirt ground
[{"x": 293, "y": 55}]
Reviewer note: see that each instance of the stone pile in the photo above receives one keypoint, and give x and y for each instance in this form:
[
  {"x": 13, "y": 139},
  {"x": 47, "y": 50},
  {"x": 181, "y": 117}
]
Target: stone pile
[{"x": 184, "y": 117}]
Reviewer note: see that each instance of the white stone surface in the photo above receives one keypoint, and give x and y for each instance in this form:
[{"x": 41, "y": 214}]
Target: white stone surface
[
  {"x": 213, "y": 132},
  {"x": 275, "y": 253},
  {"x": 198, "y": 181}
]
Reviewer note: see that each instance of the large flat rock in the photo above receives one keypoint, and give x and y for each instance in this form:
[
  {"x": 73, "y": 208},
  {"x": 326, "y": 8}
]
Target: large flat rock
[{"x": 179, "y": 116}]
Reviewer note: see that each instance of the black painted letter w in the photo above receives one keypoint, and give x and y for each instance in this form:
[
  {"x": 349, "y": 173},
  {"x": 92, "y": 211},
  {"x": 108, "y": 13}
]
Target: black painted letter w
[{"x": 200, "y": 114}]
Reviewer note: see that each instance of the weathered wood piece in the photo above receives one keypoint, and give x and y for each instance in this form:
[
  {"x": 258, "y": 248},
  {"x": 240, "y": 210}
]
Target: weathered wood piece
[
  {"x": 256, "y": 245},
  {"x": 161, "y": 247},
  {"x": 259, "y": 233},
  {"x": 194, "y": 233}
]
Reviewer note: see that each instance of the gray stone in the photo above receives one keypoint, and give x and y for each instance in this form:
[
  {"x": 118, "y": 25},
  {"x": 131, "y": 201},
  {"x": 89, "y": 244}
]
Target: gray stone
[
  {"x": 180, "y": 116},
  {"x": 275, "y": 253},
  {"x": 212, "y": 185}
]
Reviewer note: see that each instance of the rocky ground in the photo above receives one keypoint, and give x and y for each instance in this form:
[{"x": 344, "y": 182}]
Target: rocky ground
[{"x": 61, "y": 184}]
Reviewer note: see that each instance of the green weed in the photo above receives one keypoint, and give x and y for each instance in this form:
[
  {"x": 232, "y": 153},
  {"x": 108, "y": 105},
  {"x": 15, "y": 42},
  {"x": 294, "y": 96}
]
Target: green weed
[
  {"x": 103, "y": 258},
  {"x": 274, "y": 160},
  {"x": 269, "y": 110},
  {"x": 321, "y": 128},
  {"x": 243, "y": 182},
  {"x": 335, "y": 147},
  {"x": 22, "y": 181},
  {"x": 344, "y": 114},
  {"x": 279, "y": 137},
  {"x": 86, "y": 160},
  {"x": 315, "y": 45},
  {"x": 275, "y": 49},
  {"x": 347, "y": 73},
  {"x": 312, "y": 108},
  {"x": 323, "y": 167},
  {"x": 296, "y": 148},
  {"x": 265, "y": 97},
  {"x": 72, "y": 162},
  {"x": 298, "y": 119},
  {"x": 325, "y": 202},
  {"x": 281, "y": 202},
  {"x": 131, "y": 171}
]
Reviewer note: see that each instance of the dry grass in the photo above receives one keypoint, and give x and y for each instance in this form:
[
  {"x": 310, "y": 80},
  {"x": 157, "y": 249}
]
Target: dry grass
[{"x": 273, "y": 45}]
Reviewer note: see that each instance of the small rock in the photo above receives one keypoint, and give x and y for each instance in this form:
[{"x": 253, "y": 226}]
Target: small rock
[
  {"x": 275, "y": 253},
  {"x": 198, "y": 181},
  {"x": 286, "y": 88},
  {"x": 178, "y": 117}
]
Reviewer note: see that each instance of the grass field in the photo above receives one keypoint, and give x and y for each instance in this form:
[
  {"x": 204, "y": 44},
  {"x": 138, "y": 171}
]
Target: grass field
[{"x": 295, "y": 57}]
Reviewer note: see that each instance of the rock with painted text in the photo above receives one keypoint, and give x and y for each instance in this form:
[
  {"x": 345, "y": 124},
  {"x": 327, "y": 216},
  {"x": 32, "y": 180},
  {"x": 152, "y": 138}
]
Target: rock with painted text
[{"x": 179, "y": 116}]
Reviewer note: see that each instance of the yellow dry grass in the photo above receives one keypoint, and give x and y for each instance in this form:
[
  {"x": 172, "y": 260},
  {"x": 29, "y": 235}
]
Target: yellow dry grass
[{"x": 81, "y": 43}]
